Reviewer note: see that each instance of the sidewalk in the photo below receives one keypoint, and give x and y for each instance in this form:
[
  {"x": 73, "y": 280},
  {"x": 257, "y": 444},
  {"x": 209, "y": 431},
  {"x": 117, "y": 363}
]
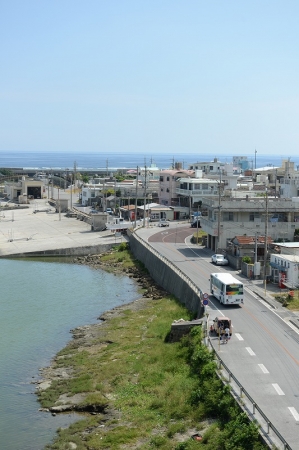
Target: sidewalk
[{"x": 266, "y": 294}]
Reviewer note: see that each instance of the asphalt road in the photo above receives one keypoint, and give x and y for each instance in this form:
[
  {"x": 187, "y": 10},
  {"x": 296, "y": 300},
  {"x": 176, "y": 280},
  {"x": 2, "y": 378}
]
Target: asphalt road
[{"x": 263, "y": 353}]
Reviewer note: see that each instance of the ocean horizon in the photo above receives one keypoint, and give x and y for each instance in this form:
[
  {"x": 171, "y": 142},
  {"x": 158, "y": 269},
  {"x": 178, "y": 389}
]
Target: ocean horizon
[{"x": 118, "y": 160}]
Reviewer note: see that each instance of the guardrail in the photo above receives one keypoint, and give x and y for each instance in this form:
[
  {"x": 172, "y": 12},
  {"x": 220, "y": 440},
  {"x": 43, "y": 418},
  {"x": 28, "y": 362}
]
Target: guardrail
[
  {"x": 242, "y": 392},
  {"x": 185, "y": 277},
  {"x": 255, "y": 407}
]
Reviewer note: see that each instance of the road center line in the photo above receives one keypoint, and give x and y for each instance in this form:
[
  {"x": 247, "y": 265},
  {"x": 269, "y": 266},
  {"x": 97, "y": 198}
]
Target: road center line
[
  {"x": 278, "y": 389},
  {"x": 250, "y": 351},
  {"x": 294, "y": 413},
  {"x": 263, "y": 368},
  {"x": 238, "y": 336}
]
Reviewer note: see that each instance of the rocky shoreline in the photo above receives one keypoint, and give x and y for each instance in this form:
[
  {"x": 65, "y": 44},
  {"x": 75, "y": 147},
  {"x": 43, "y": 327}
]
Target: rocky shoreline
[{"x": 84, "y": 337}]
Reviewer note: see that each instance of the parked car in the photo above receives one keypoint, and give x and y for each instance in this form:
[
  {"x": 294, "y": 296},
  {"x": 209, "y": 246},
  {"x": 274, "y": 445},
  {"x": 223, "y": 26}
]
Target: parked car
[
  {"x": 220, "y": 324},
  {"x": 219, "y": 260},
  {"x": 163, "y": 223},
  {"x": 109, "y": 211}
]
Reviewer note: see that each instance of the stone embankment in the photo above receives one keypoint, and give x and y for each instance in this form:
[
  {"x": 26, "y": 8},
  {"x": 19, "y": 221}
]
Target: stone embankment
[{"x": 145, "y": 282}]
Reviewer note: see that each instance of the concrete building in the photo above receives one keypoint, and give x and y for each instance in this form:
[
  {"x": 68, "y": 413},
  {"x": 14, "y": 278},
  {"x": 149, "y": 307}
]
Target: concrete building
[
  {"x": 192, "y": 191},
  {"x": 208, "y": 167},
  {"x": 168, "y": 184},
  {"x": 25, "y": 189},
  {"x": 285, "y": 265},
  {"x": 227, "y": 217},
  {"x": 242, "y": 163}
]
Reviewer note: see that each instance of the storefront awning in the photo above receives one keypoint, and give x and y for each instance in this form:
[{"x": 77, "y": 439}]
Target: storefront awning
[{"x": 278, "y": 266}]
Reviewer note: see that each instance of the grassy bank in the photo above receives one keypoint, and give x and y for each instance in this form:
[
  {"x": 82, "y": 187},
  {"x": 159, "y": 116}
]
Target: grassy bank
[{"x": 142, "y": 392}]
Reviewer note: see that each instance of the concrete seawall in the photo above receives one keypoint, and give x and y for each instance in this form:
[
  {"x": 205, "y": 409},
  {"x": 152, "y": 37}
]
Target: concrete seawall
[
  {"x": 167, "y": 275},
  {"x": 72, "y": 251}
]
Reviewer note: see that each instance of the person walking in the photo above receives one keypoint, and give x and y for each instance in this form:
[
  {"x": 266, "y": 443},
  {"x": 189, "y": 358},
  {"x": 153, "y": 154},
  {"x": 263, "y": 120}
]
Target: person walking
[{"x": 226, "y": 335}]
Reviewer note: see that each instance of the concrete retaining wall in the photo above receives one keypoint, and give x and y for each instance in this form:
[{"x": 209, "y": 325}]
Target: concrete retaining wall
[
  {"x": 77, "y": 251},
  {"x": 167, "y": 275}
]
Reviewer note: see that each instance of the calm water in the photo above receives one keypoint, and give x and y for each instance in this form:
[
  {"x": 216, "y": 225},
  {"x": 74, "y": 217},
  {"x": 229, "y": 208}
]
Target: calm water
[
  {"x": 40, "y": 303},
  {"x": 88, "y": 160}
]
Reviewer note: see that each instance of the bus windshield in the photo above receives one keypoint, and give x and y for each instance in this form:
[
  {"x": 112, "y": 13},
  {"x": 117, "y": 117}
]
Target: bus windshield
[{"x": 234, "y": 289}]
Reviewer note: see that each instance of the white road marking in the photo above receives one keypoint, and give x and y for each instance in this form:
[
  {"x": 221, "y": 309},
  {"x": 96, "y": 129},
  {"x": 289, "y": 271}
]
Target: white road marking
[
  {"x": 238, "y": 336},
  {"x": 251, "y": 292},
  {"x": 250, "y": 351},
  {"x": 263, "y": 368},
  {"x": 294, "y": 413},
  {"x": 278, "y": 389}
]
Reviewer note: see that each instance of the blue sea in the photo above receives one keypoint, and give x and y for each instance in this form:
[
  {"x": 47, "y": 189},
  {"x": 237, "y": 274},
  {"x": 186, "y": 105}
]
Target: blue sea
[{"x": 112, "y": 161}]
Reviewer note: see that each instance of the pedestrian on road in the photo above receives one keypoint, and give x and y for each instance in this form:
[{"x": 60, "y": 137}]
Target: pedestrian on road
[{"x": 227, "y": 335}]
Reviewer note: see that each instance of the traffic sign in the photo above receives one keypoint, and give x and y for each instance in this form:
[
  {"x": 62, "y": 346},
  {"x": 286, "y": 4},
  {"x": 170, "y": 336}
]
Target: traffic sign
[
  {"x": 205, "y": 295},
  {"x": 205, "y": 302}
]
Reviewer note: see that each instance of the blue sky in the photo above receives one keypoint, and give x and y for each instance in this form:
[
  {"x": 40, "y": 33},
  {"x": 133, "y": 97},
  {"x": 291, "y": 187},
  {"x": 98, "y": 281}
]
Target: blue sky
[{"x": 217, "y": 76}]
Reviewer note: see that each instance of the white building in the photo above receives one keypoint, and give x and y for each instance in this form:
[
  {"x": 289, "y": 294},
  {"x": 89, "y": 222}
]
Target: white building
[
  {"x": 208, "y": 167},
  {"x": 285, "y": 266},
  {"x": 168, "y": 184}
]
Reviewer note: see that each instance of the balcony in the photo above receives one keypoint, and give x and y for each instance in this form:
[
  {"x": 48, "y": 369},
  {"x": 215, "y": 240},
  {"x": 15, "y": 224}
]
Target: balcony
[
  {"x": 197, "y": 192},
  {"x": 230, "y": 229}
]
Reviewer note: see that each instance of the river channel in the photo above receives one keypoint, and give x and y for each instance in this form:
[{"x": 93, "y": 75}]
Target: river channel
[{"x": 41, "y": 301}]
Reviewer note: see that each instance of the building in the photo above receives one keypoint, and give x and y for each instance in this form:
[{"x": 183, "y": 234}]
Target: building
[
  {"x": 228, "y": 217},
  {"x": 168, "y": 180},
  {"x": 191, "y": 191},
  {"x": 208, "y": 167},
  {"x": 25, "y": 189},
  {"x": 285, "y": 266}
]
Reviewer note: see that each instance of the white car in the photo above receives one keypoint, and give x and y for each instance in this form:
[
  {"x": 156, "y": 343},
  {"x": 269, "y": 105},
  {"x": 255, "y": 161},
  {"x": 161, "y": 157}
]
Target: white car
[
  {"x": 219, "y": 260},
  {"x": 163, "y": 223}
]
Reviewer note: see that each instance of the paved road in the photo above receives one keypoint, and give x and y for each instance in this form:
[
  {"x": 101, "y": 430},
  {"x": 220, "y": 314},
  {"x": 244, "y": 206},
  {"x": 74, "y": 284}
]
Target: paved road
[{"x": 263, "y": 353}]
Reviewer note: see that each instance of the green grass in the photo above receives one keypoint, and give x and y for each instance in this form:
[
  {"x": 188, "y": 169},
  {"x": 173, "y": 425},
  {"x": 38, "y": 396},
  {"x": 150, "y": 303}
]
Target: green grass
[
  {"x": 159, "y": 389},
  {"x": 291, "y": 303}
]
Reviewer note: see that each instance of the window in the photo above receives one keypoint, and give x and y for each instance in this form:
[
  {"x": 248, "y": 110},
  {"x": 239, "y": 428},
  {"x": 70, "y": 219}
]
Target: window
[
  {"x": 228, "y": 216},
  {"x": 167, "y": 178},
  {"x": 161, "y": 178},
  {"x": 167, "y": 190},
  {"x": 253, "y": 216},
  {"x": 204, "y": 186}
]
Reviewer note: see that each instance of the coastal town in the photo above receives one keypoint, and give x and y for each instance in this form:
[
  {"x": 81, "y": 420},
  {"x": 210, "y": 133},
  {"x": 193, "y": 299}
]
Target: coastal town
[{"x": 247, "y": 213}]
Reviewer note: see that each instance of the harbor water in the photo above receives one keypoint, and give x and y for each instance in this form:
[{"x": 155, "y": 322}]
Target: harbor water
[{"x": 41, "y": 301}]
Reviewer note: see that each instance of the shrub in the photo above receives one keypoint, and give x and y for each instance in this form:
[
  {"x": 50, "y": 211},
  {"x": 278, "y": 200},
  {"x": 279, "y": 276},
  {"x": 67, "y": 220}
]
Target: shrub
[{"x": 246, "y": 259}]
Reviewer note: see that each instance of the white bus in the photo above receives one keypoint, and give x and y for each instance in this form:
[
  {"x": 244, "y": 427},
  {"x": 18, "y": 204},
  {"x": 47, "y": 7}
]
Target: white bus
[{"x": 227, "y": 289}]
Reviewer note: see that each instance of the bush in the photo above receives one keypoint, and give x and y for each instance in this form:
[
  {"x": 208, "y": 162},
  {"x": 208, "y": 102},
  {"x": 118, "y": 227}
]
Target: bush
[{"x": 246, "y": 259}]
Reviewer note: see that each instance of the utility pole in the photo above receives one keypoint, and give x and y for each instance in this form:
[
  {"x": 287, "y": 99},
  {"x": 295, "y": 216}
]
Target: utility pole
[
  {"x": 136, "y": 193},
  {"x": 52, "y": 185},
  {"x": 75, "y": 175},
  {"x": 219, "y": 212},
  {"x": 71, "y": 193},
  {"x": 266, "y": 243},
  {"x": 144, "y": 195}
]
